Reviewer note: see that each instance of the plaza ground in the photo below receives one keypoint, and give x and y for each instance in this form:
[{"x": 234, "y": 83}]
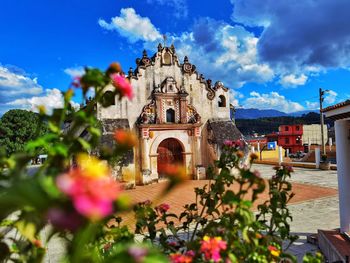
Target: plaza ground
[{"x": 315, "y": 205}]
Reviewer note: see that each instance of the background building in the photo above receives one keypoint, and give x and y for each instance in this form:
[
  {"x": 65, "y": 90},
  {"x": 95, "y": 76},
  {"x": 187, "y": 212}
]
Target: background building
[
  {"x": 297, "y": 137},
  {"x": 312, "y": 134}
]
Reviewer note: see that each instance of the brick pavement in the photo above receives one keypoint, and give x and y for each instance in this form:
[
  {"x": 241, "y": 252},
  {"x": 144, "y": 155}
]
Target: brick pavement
[
  {"x": 184, "y": 194},
  {"x": 315, "y": 205}
]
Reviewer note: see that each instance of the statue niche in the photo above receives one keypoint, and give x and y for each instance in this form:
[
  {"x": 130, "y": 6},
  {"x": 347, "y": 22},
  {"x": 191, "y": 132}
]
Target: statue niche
[{"x": 169, "y": 86}]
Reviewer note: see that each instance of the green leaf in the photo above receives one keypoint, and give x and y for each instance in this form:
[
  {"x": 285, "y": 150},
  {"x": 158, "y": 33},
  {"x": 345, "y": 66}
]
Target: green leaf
[{"x": 86, "y": 146}]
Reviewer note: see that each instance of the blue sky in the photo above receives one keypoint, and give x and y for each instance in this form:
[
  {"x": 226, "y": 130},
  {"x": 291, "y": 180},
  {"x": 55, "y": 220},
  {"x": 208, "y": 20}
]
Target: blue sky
[{"x": 270, "y": 54}]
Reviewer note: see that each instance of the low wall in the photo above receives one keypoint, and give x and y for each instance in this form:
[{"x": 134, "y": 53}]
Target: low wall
[{"x": 293, "y": 164}]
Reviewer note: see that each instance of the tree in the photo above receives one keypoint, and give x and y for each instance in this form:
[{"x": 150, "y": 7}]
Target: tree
[{"x": 17, "y": 127}]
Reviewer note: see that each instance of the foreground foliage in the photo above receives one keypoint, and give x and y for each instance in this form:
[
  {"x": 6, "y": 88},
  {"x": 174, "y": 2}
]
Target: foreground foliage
[{"x": 73, "y": 196}]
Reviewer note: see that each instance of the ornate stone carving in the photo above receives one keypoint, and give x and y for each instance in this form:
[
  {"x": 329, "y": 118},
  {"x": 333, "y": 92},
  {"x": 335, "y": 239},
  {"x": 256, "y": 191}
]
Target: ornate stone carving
[
  {"x": 145, "y": 61},
  {"x": 188, "y": 67},
  {"x": 130, "y": 72},
  {"x": 148, "y": 115},
  {"x": 219, "y": 85},
  {"x": 172, "y": 48},
  {"x": 192, "y": 114},
  {"x": 160, "y": 47},
  {"x": 211, "y": 92}
]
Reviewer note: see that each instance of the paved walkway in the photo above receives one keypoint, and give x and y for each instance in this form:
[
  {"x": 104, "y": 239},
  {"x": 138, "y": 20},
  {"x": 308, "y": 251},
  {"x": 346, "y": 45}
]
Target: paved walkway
[{"x": 311, "y": 215}]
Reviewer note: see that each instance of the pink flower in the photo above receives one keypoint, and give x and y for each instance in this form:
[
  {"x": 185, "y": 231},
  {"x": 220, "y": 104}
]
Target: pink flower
[
  {"x": 138, "y": 253},
  {"x": 122, "y": 85},
  {"x": 163, "y": 208},
  {"x": 92, "y": 193},
  {"x": 237, "y": 144},
  {"x": 211, "y": 247},
  {"x": 228, "y": 143}
]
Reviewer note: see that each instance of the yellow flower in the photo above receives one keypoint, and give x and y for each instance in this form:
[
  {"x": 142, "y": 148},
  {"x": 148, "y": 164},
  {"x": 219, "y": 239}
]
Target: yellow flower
[
  {"x": 206, "y": 238},
  {"x": 91, "y": 166},
  {"x": 275, "y": 253}
]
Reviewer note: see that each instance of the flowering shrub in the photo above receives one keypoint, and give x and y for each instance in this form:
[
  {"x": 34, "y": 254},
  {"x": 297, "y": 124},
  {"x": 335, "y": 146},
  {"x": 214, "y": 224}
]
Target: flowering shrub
[
  {"x": 74, "y": 194},
  {"x": 90, "y": 187}
]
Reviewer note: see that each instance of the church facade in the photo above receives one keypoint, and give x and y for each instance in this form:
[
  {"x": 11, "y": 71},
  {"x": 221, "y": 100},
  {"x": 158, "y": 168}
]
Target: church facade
[{"x": 178, "y": 115}]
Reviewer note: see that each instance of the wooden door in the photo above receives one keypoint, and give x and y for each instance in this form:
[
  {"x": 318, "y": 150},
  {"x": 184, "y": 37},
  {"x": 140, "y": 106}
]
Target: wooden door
[{"x": 169, "y": 152}]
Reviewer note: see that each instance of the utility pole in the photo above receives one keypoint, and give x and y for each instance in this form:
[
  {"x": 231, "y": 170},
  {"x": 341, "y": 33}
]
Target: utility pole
[{"x": 322, "y": 92}]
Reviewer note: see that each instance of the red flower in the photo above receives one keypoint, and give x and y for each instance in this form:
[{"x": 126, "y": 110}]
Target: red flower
[
  {"x": 180, "y": 258},
  {"x": 76, "y": 82},
  {"x": 174, "y": 171},
  {"x": 163, "y": 208},
  {"x": 125, "y": 138}
]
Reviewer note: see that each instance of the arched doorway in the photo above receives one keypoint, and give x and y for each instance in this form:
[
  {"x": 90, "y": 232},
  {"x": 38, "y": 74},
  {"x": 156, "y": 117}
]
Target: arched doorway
[{"x": 169, "y": 152}]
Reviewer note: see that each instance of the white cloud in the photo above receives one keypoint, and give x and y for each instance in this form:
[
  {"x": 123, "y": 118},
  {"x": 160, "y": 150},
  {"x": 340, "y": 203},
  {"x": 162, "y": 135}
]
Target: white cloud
[
  {"x": 132, "y": 26},
  {"x": 330, "y": 97},
  {"x": 292, "y": 80},
  {"x": 52, "y": 99},
  {"x": 74, "y": 71},
  {"x": 178, "y": 7},
  {"x": 218, "y": 49},
  {"x": 228, "y": 53},
  {"x": 234, "y": 97},
  {"x": 272, "y": 100},
  {"x": 19, "y": 91},
  {"x": 312, "y": 105},
  {"x": 13, "y": 84}
]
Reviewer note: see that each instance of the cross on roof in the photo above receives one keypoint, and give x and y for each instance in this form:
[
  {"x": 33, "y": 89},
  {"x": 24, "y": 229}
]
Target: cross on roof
[{"x": 165, "y": 39}]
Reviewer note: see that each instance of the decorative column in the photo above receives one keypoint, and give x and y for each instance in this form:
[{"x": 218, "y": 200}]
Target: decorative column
[
  {"x": 197, "y": 138},
  {"x": 183, "y": 108},
  {"x": 342, "y": 130},
  {"x": 145, "y": 159}
]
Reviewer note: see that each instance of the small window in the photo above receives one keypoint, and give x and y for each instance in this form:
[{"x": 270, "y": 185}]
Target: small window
[
  {"x": 286, "y": 140},
  {"x": 222, "y": 101},
  {"x": 298, "y": 128},
  {"x": 190, "y": 87},
  {"x": 286, "y": 128},
  {"x": 170, "y": 115}
]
